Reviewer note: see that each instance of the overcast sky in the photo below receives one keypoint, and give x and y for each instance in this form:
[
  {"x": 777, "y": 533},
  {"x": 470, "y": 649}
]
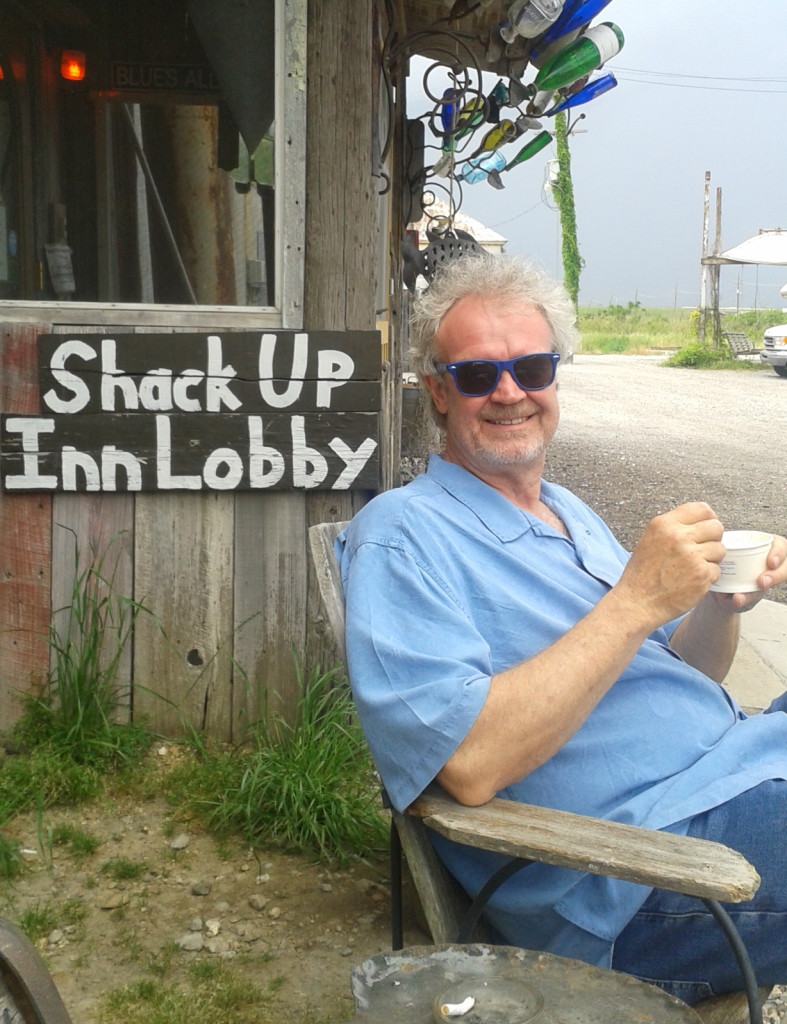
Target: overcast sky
[{"x": 702, "y": 87}]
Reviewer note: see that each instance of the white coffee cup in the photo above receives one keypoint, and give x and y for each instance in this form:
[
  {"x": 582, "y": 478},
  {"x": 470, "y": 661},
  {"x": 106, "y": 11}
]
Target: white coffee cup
[{"x": 744, "y": 562}]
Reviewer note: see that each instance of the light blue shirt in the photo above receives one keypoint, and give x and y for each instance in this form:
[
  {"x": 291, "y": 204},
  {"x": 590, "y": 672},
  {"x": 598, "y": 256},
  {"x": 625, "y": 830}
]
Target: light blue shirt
[{"x": 448, "y": 583}]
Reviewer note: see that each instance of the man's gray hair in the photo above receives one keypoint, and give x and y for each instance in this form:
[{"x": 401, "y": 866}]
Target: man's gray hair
[{"x": 510, "y": 280}]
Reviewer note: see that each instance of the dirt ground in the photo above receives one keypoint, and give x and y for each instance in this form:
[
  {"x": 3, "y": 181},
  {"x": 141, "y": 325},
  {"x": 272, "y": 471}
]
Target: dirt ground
[{"x": 293, "y": 927}]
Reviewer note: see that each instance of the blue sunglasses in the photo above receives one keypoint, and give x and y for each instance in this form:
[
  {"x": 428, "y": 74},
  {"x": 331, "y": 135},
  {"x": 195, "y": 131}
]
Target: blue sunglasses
[{"x": 476, "y": 377}]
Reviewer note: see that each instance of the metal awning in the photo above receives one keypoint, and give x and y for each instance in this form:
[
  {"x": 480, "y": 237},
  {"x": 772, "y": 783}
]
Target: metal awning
[{"x": 768, "y": 247}]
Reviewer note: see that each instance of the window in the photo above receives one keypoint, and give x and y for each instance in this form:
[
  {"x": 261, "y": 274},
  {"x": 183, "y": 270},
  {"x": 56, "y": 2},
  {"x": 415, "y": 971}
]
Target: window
[{"x": 144, "y": 191}]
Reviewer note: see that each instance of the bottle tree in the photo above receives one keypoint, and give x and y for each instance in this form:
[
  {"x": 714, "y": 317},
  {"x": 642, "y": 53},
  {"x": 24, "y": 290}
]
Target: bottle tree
[{"x": 563, "y": 191}]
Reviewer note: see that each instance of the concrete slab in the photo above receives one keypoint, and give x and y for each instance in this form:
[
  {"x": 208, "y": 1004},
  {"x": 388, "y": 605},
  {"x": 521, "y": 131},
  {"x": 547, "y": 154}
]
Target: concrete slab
[{"x": 759, "y": 672}]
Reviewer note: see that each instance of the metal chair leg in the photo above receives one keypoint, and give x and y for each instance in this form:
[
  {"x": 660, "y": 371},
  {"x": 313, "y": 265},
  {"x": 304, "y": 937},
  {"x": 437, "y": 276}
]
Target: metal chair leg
[
  {"x": 397, "y": 917},
  {"x": 732, "y": 935},
  {"x": 482, "y": 897}
]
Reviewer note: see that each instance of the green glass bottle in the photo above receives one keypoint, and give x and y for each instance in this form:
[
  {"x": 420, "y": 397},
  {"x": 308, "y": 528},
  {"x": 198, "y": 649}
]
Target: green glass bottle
[
  {"x": 579, "y": 58},
  {"x": 534, "y": 146}
]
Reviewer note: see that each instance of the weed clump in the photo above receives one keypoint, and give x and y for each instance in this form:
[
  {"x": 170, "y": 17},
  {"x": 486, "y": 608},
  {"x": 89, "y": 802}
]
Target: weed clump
[
  {"x": 308, "y": 785},
  {"x": 76, "y": 717}
]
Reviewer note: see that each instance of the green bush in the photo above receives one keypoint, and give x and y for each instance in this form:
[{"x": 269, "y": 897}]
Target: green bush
[{"x": 699, "y": 354}]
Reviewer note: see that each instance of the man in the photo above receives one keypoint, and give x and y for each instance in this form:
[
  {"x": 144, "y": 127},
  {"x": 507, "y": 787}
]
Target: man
[{"x": 502, "y": 642}]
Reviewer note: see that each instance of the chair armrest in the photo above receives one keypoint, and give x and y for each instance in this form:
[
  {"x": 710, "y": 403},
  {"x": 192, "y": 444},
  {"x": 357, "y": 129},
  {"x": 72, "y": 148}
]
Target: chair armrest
[{"x": 695, "y": 867}]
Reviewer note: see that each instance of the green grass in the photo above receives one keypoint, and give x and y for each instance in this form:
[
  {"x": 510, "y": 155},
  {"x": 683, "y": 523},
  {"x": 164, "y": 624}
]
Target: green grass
[
  {"x": 11, "y": 863},
  {"x": 78, "y": 842},
  {"x": 38, "y": 921},
  {"x": 77, "y": 713},
  {"x": 213, "y": 990},
  {"x": 635, "y": 329},
  {"x": 74, "y": 911},
  {"x": 121, "y": 869},
  {"x": 68, "y": 734},
  {"x": 307, "y": 786}
]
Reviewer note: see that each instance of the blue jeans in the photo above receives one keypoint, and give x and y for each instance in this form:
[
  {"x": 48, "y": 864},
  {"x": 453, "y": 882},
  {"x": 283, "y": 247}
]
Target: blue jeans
[{"x": 675, "y": 943}]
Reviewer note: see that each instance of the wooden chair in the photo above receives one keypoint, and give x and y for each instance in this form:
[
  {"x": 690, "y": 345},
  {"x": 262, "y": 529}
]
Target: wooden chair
[
  {"x": 27, "y": 993},
  {"x": 710, "y": 871}
]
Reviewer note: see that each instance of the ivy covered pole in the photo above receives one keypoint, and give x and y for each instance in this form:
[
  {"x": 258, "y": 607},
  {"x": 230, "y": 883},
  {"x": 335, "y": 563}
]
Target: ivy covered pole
[{"x": 563, "y": 191}]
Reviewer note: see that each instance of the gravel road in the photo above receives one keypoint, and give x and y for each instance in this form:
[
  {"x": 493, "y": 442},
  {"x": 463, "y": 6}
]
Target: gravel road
[{"x": 637, "y": 438}]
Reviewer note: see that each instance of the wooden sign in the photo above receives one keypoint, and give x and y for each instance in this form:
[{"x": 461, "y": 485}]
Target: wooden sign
[{"x": 238, "y": 411}]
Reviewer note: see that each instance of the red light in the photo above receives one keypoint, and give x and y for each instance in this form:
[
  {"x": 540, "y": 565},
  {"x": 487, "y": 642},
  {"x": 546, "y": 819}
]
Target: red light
[{"x": 72, "y": 65}]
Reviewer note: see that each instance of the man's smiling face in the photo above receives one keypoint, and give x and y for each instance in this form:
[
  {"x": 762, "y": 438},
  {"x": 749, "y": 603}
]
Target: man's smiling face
[{"x": 499, "y": 434}]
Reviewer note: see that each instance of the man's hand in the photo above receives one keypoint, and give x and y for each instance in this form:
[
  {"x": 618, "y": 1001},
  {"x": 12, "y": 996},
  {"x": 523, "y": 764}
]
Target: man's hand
[
  {"x": 775, "y": 574},
  {"x": 675, "y": 562}
]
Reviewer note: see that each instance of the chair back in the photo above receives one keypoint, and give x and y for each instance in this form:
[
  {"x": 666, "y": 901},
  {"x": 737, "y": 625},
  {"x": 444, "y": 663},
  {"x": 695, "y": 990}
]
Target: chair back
[
  {"x": 442, "y": 898},
  {"x": 326, "y": 566}
]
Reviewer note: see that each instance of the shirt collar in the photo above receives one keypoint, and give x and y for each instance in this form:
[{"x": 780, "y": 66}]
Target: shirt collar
[{"x": 496, "y": 512}]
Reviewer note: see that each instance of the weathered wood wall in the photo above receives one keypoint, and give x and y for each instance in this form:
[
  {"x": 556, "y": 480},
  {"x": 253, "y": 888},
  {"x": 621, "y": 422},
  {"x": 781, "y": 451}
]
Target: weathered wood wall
[
  {"x": 226, "y": 577},
  {"x": 25, "y": 543}
]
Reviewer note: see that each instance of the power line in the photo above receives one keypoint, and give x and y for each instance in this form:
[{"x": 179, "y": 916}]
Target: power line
[
  {"x": 680, "y": 74},
  {"x": 689, "y": 85},
  {"x": 500, "y": 223}
]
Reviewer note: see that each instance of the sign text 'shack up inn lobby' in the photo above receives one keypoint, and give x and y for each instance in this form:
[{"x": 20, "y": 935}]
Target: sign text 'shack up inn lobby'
[{"x": 238, "y": 411}]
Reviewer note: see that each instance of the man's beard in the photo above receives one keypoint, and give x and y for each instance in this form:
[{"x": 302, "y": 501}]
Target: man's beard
[{"x": 514, "y": 453}]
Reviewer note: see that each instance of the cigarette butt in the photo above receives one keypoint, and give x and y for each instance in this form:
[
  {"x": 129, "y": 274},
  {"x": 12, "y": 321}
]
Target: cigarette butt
[{"x": 457, "y": 1009}]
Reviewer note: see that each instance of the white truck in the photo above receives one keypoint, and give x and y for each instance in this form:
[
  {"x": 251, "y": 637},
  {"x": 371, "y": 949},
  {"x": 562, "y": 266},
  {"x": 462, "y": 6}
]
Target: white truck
[
  {"x": 774, "y": 340},
  {"x": 774, "y": 351}
]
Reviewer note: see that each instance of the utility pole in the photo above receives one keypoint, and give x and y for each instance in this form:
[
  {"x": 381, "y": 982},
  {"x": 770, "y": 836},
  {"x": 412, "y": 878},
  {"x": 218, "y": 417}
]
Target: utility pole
[
  {"x": 704, "y": 282},
  {"x": 716, "y": 276}
]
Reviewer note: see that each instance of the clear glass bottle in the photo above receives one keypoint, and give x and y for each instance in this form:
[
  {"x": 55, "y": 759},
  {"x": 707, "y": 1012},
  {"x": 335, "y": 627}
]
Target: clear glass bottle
[{"x": 530, "y": 18}]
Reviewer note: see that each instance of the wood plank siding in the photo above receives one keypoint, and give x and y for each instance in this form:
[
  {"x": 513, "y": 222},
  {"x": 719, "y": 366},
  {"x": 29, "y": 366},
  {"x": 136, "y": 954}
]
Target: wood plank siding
[{"x": 224, "y": 576}]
